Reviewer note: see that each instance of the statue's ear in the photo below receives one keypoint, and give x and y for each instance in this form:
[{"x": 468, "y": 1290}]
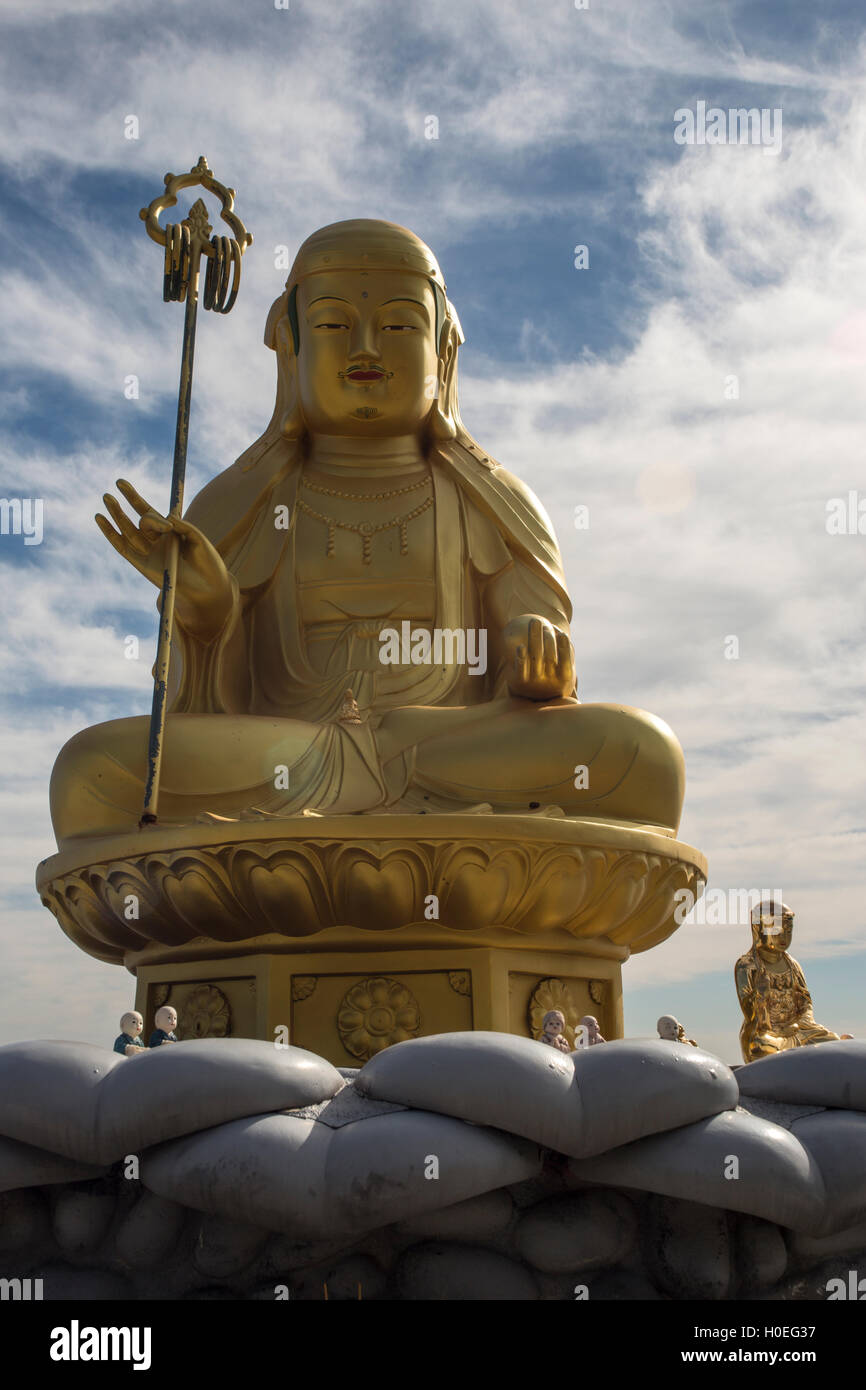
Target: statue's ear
[
  {"x": 452, "y": 314},
  {"x": 444, "y": 417},
  {"x": 279, "y": 337},
  {"x": 283, "y": 343},
  {"x": 278, "y": 310}
]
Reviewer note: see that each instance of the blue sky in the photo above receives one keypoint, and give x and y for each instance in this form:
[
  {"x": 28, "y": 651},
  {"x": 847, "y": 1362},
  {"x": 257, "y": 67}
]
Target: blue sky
[{"x": 604, "y": 386}]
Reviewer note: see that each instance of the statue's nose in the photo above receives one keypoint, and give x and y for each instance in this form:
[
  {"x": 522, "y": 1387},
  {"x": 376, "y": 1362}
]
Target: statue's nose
[{"x": 362, "y": 341}]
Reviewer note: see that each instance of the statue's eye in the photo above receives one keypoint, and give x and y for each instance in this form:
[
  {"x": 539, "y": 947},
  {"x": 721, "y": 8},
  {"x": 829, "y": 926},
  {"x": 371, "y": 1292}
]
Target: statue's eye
[
  {"x": 331, "y": 325},
  {"x": 399, "y": 328}
]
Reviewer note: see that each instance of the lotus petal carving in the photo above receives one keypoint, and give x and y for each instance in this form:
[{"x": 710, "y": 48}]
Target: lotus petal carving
[{"x": 539, "y": 877}]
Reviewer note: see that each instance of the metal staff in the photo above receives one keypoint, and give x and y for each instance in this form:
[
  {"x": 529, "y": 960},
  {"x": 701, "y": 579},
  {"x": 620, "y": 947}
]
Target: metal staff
[{"x": 185, "y": 243}]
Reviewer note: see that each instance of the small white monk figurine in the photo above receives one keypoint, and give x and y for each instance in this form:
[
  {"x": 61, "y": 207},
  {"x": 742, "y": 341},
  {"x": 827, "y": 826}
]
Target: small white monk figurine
[
  {"x": 166, "y": 1022},
  {"x": 670, "y": 1030},
  {"x": 592, "y": 1035},
  {"x": 129, "y": 1043},
  {"x": 553, "y": 1030}
]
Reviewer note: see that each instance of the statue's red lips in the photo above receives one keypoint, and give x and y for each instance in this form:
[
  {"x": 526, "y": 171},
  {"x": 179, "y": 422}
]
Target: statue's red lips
[{"x": 364, "y": 374}]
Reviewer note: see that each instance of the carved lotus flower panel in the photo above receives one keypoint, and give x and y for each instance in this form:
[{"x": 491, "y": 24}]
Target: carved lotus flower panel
[
  {"x": 204, "y": 1013},
  {"x": 374, "y": 1014}
]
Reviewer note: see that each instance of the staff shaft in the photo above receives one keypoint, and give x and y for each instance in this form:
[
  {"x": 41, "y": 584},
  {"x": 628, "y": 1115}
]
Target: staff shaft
[{"x": 169, "y": 579}]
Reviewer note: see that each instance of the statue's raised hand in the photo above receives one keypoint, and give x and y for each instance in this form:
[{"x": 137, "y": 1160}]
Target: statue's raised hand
[
  {"x": 540, "y": 657},
  {"x": 204, "y": 586}
]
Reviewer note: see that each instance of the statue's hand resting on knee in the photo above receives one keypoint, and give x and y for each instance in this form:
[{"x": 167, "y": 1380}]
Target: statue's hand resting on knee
[{"x": 541, "y": 659}]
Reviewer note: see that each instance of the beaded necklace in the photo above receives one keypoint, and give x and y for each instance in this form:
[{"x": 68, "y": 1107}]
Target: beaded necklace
[{"x": 366, "y": 529}]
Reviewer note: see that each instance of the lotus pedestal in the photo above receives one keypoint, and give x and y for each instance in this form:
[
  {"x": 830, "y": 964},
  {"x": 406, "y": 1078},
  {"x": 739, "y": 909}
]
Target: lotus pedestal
[{"x": 344, "y": 934}]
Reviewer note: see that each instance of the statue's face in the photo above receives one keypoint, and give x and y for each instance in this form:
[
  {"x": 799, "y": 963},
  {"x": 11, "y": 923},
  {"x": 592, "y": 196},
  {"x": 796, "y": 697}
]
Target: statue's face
[
  {"x": 367, "y": 359},
  {"x": 166, "y": 1019},
  {"x": 776, "y": 934}
]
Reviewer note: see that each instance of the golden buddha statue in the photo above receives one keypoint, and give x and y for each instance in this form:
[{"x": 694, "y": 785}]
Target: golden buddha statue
[
  {"x": 365, "y": 543},
  {"x": 771, "y": 988}
]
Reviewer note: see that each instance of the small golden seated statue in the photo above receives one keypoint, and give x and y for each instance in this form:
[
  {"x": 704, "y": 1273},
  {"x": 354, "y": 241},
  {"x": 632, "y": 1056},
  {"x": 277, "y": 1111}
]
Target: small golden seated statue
[
  {"x": 771, "y": 988},
  {"x": 349, "y": 712},
  {"x": 365, "y": 542}
]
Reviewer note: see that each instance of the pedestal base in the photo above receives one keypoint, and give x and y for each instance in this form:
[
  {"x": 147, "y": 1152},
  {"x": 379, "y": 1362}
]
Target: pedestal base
[
  {"x": 345, "y": 934},
  {"x": 348, "y": 1007}
]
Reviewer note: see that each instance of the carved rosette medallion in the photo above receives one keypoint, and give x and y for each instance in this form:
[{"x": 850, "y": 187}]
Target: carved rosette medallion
[
  {"x": 553, "y": 994},
  {"x": 598, "y": 991},
  {"x": 205, "y": 1013},
  {"x": 375, "y": 1013},
  {"x": 461, "y": 982},
  {"x": 303, "y": 986}
]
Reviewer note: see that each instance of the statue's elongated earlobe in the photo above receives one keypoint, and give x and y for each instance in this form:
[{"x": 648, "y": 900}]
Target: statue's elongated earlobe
[
  {"x": 444, "y": 417},
  {"x": 292, "y": 420},
  {"x": 276, "y": 312}
]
